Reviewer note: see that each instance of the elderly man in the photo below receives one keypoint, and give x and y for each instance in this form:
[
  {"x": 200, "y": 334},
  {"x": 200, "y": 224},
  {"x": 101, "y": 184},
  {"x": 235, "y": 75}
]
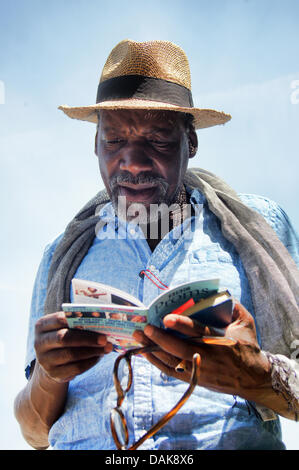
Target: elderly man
[{"x": 145, "y": 136}]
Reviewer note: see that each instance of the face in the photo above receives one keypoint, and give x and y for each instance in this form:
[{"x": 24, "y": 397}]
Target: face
[{"x": 143, "y": 156}]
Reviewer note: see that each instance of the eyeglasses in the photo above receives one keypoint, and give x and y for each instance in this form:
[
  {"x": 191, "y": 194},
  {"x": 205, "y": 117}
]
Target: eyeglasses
[{"x": 118, "y": 421}]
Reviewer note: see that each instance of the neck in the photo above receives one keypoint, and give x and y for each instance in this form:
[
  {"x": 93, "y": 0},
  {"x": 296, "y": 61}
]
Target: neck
[{"x": 175, "y": 217}]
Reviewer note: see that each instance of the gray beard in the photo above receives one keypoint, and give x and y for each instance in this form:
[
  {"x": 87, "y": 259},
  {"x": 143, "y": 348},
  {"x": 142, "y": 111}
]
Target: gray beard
[
  {"x": 158, "y": 218},
  {"x": 142, "y": 178}
]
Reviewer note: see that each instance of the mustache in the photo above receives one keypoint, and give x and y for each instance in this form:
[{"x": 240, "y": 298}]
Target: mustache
[{"x": 141, "y": 178}]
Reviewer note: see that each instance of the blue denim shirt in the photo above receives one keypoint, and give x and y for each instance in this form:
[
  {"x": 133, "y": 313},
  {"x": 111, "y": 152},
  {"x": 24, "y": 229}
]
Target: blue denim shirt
[{"x": 208, "y": 420}]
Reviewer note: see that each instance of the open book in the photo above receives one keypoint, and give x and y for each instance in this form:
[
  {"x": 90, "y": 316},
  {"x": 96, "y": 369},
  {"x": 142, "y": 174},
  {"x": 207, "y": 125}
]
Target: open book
[{"x": 115, "y": 313}]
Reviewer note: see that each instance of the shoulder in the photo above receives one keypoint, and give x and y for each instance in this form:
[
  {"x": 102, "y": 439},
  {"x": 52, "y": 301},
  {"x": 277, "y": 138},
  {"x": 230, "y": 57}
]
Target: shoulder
[
  {"x": 268, "y": 208},
  {"x": 277, "y": 218},
  {"x": 47, "y": 254},
  {"x": 52, "y": 244},
  {"x": 49, "y": 251},
  {"x": 265, "y": 206},
  {"x": 41, "y": 279}
]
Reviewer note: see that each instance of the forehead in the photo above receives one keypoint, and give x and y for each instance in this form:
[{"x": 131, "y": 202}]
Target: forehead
[{"x": 141, "y": 119}]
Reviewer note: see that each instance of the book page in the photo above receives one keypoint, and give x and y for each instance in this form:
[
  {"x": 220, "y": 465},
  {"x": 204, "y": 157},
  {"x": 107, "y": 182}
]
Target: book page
[
  {"x": 174, "y": 298},
  {"x": 90, "y": 292},
  {"x": 116, "y": 322}
]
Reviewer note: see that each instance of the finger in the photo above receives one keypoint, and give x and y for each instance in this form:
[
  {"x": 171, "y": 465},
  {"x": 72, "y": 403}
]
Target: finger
[
  {"x": 69, "y": 355},
  {"x": 159, "y": 356},
  {"x": 56, "y": 321},
  {"x": 172, "y": 344},
  {"x": 66, "y": 337},
  {"x": 50, "y": 322},
  {"x": 192, "y": 328},
  {"x": 240, "y": 312},
  {"x": 164, "y": 366},
  {"x": 167, "y": 359},
  {"x": 168, "y": 367},
  {"x": 140, "y": 337},
  {"x": 65, "y": 373},
  {"x": 185, "y": 325}
]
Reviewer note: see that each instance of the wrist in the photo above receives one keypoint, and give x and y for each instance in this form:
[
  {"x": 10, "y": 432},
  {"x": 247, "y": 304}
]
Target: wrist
[
  {"x": 256, "y": 380},
  {"x": 45, "y": 381},
  {"x": 284, "y": 380},
  {"x": 47, "y": 396},
  {"x": 276, "y": 389}
]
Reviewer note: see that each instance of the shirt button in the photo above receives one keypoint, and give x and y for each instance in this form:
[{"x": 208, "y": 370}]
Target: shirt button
[
  {"x": 132, "y": 231},
  {"x": 164, "y": 377}
]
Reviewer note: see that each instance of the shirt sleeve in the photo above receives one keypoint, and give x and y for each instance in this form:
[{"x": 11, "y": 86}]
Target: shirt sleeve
[
  {"x": 38, "y": 300},
  {"x": 284, "y": 371},
  {"x": 277, "y": 219}
]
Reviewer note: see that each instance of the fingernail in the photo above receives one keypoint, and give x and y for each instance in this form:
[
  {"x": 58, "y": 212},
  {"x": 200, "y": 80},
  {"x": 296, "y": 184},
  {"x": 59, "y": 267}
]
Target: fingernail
[
  {"x": 137, "y": 335},
  {"x": 62, "y": 318},
  {"x": 169, "y": 320},
  {"x": 101, "y": 340},
  {"x": 149, "y": 330},
  {"x": 108, "y": 348}
]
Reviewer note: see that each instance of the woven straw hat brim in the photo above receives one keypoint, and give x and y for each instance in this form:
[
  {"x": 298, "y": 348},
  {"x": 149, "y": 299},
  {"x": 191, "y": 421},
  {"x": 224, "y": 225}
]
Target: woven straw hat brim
[{"x": 203, "y": 118}]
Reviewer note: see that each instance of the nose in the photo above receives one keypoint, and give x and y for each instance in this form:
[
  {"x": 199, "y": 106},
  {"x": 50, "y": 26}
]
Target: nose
[{"x": 135, "y": 160}]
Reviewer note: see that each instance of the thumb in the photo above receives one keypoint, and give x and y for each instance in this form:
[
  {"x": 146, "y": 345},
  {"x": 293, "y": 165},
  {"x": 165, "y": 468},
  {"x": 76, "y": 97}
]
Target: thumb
[
  {"x": 241, "y": 314},
  {"x": 242, "y": 322}
]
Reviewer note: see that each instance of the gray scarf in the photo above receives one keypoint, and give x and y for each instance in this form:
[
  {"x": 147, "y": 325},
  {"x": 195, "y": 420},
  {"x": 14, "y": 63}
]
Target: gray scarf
[{"x": 273, "y": 275}]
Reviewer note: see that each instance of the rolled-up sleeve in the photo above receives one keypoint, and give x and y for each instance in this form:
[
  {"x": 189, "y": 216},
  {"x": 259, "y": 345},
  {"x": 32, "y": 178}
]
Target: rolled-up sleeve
[{"x": 38, "y": 301}]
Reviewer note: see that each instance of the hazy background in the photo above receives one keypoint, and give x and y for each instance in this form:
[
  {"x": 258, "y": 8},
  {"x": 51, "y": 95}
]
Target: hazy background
[{"x": 244, "y": 60}]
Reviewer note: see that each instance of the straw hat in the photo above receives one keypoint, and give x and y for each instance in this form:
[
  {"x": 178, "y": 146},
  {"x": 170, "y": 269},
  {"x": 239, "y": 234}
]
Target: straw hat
[{"x": 146, "y": 75}]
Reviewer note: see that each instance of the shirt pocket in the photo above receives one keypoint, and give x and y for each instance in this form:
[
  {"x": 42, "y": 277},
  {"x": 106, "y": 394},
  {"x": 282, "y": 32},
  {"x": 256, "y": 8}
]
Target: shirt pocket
[
  {"x": 198, "y": 256},
  {"x": 209, "y": 256},
  {"x": 207, "y": 264}
]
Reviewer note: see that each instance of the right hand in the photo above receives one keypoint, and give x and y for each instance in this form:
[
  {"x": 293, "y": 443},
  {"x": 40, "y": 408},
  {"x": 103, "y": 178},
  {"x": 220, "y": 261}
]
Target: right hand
[{"x": 64, "y": 353}]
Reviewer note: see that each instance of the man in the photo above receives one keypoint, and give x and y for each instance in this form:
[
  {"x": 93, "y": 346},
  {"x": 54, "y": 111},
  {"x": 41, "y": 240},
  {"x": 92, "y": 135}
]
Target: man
[{"x": 145, "y": 136}]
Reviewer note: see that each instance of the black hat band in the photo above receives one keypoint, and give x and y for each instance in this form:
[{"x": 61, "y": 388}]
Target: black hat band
[{"x": 144, "y": 88}]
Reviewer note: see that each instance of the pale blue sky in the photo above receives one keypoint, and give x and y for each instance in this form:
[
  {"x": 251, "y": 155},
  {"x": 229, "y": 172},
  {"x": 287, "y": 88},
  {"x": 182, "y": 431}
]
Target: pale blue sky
[{"x": 243, "y": 57}]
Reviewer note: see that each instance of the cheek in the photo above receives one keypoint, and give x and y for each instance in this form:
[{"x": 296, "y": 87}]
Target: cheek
[
  {"x": 104, "y": 170},
  {"x": 175, "y": 170}
]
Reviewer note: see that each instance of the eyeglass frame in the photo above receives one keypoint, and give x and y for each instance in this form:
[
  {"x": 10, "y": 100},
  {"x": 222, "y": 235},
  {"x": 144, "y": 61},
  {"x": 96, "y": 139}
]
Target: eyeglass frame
[{"x": 121, "y": 394}]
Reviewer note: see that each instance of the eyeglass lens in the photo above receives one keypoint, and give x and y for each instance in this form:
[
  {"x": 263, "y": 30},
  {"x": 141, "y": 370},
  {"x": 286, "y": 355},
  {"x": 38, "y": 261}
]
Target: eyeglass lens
[{"x": 119, "y": 427}]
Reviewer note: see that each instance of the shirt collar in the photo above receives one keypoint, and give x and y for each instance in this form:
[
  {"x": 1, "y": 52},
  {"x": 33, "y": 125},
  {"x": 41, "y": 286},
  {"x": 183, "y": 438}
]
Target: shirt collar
[{"x": 107, "y": 213}]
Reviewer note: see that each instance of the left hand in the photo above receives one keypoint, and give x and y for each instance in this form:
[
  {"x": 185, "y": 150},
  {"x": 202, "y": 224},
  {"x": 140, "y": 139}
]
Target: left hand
[{"x": 237, "y": 368}]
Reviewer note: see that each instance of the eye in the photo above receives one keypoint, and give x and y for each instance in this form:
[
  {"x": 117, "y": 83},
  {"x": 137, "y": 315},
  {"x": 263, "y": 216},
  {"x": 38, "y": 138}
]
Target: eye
[
  {"x": 114, "y": 141},
  {"x": 161, "y": 145},
  {"x": 158, "y": 142}
]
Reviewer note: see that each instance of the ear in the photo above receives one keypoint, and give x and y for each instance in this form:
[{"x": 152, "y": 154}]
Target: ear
[
  {"x": 96, "y": 143},
  {"x": 193, "y": 142}
]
